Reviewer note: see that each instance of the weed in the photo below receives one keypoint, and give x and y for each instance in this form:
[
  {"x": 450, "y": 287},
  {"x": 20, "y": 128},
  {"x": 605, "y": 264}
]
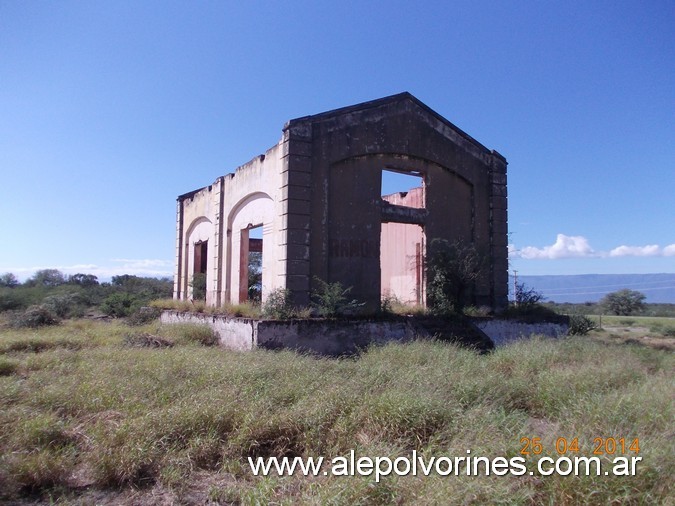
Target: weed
[
  {"x": 332, "y": 299},
  {"x": 33, "y": 317},
  {"x": 278, "y": 305},
  {"x": 580, "y": 325}
]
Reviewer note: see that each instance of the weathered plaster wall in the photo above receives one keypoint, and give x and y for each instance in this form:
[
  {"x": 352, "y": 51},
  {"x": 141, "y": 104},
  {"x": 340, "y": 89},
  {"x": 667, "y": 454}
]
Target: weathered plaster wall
[
  {"x": 402, "y": 250},
  {"x": 251, "y": 196}
]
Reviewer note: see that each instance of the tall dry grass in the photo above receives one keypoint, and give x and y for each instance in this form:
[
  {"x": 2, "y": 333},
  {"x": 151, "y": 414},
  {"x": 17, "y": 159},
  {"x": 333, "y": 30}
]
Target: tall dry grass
[{"x": 76, "y": 402}]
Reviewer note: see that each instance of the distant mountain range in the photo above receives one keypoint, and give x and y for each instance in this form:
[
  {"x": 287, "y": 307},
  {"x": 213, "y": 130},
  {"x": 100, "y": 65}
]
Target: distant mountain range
[{"x": 659, "y": 288}]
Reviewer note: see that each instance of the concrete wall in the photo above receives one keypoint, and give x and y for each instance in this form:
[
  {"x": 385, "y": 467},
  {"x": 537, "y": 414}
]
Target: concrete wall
[
  {"x": 220, "y": 213},
  {"x": 335, "y": 338},
  {"x": 506, "y": 331},
  {"x": 349, "y": 149},
  {"x": 324, "y": 337}
]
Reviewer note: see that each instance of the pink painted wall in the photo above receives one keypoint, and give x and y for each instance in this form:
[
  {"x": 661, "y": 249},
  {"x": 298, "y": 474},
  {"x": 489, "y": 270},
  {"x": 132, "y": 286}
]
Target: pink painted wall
[{"x": 402, "y": 252}]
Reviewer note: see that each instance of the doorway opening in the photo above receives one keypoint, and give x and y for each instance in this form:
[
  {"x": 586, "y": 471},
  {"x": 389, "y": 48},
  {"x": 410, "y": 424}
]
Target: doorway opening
[
  {"x": 402, "y": 263},
  {"x": 251, "y": 261},
  {"x": 201, "y": 249}
]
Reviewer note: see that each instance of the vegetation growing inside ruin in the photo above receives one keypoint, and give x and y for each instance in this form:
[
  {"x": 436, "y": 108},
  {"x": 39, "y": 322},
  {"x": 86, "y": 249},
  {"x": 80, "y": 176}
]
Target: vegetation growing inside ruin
[
  {"x": 452, "y": 269},
  {"x": 100, "y": 412}
]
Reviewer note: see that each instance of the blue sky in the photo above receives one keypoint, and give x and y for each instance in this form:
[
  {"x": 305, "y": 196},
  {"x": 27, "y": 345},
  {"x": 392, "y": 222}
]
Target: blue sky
[{"x": 109, "y": 110}]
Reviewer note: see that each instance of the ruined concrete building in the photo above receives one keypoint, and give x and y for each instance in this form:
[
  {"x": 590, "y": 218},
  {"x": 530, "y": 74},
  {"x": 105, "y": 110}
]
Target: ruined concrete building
[{"x": 318, "y": 198}]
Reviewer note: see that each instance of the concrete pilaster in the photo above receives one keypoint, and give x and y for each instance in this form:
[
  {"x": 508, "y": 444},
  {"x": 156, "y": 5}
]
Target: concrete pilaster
[
  {"x": 296, "y": 178},
  {"x": 499, "y": 232}
]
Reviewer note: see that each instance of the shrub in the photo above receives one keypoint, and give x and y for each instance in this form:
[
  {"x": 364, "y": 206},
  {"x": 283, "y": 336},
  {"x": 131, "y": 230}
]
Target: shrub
[
  {"x": 65, "y": 304},
  {"x": 331, "y": 299},
  {"x": 198, "y": 285},
  {"x": 580, "y": 325},
  {"x": 452, "y": 269},
  {"x": 120, "y": 305},
  {"x": 9, "y": 299},
  {"x": 527, "y": 296},
  {"x": 33, "y": 317},
  {"x": 278, "y": 305},
  {"x": 143, "y": 315}
]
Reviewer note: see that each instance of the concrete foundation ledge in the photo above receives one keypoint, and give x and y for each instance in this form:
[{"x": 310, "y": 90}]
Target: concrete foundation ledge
[
  {"x": 329, "y": 337},
  {"x": 347, "y": 337},
  {"x": 503, "y": 332}
]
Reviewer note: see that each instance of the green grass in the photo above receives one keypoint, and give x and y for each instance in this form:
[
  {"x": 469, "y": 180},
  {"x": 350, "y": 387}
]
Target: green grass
[
  {"x": 78, "y": 407},
  {"x": 642, "y": 321}
]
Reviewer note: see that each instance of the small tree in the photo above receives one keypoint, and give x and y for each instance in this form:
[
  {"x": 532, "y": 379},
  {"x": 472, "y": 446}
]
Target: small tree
[
  {"x": 47, "y": 277},
  {"x": 527, "y": 297},
  {"x": 84, "y": 280},
  {"x": 624, "y": 302},
  {"x": 452, "y": 269},
  {"x": 8, "y": 280}
]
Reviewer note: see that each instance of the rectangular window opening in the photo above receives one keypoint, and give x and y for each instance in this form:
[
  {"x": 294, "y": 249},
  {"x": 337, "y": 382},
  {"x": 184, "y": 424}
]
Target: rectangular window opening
[{"x": 403, "y": 188}]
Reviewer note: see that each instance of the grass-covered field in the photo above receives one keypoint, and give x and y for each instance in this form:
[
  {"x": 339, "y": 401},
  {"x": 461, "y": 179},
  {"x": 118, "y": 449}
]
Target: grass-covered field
[{"x": 87, "y": 416}]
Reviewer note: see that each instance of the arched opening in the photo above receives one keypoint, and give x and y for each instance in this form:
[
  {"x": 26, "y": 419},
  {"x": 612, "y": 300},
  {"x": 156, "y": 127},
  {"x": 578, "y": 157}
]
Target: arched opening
[
  {"x": 249, "y": 271},
  {"x": 198, "y": 277}
]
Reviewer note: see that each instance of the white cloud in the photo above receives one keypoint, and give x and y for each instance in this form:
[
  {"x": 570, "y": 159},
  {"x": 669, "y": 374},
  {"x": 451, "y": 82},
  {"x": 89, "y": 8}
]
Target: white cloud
[
  {"x": 650, "y": 250},
  {"x": 565, "y": 246}
]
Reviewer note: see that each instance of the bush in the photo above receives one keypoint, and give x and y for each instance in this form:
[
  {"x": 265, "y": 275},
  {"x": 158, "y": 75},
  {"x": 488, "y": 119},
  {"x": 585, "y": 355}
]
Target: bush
[
  {"x": 278, "y": 305},
  {"x": 331, "y": 299},
  {"x": 65, "y": 304},
  {"x": 527, "y": 296},
  {"x": 143, "y": 315},
  {"x": 198, "y": 285},
  {"x": 120, "y": 305},
  {"x": 10, "y": 299},
  {"x": 452, "y": 269},
  {"x": 580, "y": 325},
  {"x": 33, "y": 317}
]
